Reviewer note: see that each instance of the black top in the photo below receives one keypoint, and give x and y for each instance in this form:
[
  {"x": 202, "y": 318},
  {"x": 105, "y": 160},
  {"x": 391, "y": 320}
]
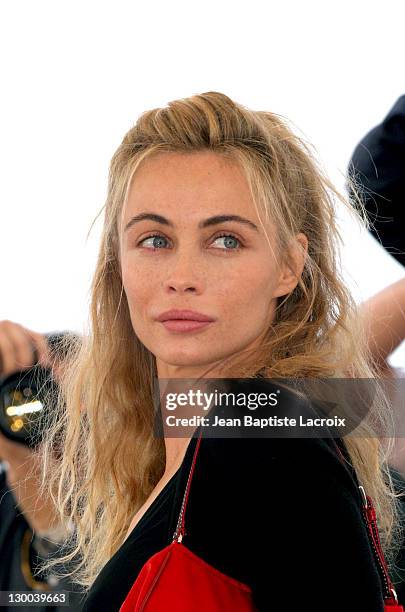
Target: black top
[{"x": 281, "y": 515}]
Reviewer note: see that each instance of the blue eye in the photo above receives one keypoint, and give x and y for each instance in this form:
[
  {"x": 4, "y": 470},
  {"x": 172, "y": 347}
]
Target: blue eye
[
  {"x": 230, "y": 240},
  {"x": 157, "y": 240}
]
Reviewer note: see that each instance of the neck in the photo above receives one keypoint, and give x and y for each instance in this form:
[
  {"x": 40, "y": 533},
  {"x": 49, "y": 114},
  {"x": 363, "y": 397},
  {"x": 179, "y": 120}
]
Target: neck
[{"x": 176, "y": 449}]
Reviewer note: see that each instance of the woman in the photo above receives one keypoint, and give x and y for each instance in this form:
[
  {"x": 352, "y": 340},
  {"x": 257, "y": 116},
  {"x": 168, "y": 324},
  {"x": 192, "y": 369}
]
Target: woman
[{"x": 219, "y": 210}]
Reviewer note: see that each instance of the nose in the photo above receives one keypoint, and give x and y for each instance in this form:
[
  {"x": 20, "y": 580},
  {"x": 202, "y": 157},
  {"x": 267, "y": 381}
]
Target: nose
[
  {"x": 182, "y": 287},
  {"x": 184, "y": 276}
]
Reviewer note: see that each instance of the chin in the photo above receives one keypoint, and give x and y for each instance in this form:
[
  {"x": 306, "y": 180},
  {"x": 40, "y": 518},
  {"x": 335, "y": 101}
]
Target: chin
[{"x": 187, "y": 360}]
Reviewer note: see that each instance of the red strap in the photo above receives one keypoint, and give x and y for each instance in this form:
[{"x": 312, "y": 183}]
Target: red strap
[
  {"x": 180, "y": 529},
  {"x": 390, "y": 598}
]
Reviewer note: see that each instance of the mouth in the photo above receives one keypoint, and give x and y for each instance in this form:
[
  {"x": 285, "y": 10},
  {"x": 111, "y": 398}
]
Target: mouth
[
  {"x": 176, "y": 320},
  {"x": 184, "y": 325}
]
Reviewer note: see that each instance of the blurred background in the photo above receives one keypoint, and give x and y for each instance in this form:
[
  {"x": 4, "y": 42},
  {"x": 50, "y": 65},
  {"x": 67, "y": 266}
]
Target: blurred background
[{"x": 76, "y": 75}]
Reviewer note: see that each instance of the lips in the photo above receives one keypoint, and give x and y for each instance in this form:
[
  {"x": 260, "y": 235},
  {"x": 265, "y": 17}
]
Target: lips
[
  {"x": 183, "y": 315},
  {"x": 184, "y": 325}
]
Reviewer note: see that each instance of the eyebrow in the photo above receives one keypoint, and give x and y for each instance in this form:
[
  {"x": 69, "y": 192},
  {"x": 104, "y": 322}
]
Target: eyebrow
[{"x": 206, "y": 223}]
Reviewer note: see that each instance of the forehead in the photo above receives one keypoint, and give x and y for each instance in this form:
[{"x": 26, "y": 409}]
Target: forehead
[{"x": 188, "y": 184}]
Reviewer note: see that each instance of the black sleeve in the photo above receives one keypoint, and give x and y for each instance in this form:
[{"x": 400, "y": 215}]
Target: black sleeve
[
  {"x": 378, "y": 167},
  {"x": 17, "y": 552},
  {"x": 284, "y": 517}
]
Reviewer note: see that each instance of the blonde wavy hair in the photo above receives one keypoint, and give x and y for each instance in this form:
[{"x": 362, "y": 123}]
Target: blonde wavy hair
[{"x": 101, "y": 459}]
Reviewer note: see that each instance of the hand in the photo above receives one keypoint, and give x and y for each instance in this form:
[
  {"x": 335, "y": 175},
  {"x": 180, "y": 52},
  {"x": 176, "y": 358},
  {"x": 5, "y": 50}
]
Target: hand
[{"x": 17, "y": 344}]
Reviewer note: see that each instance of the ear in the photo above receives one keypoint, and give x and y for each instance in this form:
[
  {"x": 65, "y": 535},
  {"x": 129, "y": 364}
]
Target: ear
[{"x": 291, "y": 270}]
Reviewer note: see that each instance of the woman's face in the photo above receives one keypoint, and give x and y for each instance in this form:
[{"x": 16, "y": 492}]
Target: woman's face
[{"x": 179, "y": 251}]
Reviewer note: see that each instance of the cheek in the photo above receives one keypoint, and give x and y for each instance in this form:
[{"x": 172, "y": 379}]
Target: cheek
[
  {"x": 250, "y": 291},
  {"x": 137, "y": 287}
]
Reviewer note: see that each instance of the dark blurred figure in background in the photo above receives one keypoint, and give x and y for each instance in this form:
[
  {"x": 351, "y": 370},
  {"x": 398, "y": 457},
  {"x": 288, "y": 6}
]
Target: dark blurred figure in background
[
  {"x": 377, "y": 171},
  {"x": 378, "y": 168},
  {"x": 28, "y": 528}
]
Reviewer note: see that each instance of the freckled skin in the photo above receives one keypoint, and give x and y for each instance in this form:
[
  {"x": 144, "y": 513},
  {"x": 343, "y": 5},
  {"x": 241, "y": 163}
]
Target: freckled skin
[{"x": 194, "y": 268}]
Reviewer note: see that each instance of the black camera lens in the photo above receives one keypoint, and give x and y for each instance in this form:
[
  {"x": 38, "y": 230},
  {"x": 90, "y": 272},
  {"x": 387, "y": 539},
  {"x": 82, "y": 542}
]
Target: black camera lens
[
  {"x": 23, "y": 401},
  {"x": 26, "y": 397}
]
